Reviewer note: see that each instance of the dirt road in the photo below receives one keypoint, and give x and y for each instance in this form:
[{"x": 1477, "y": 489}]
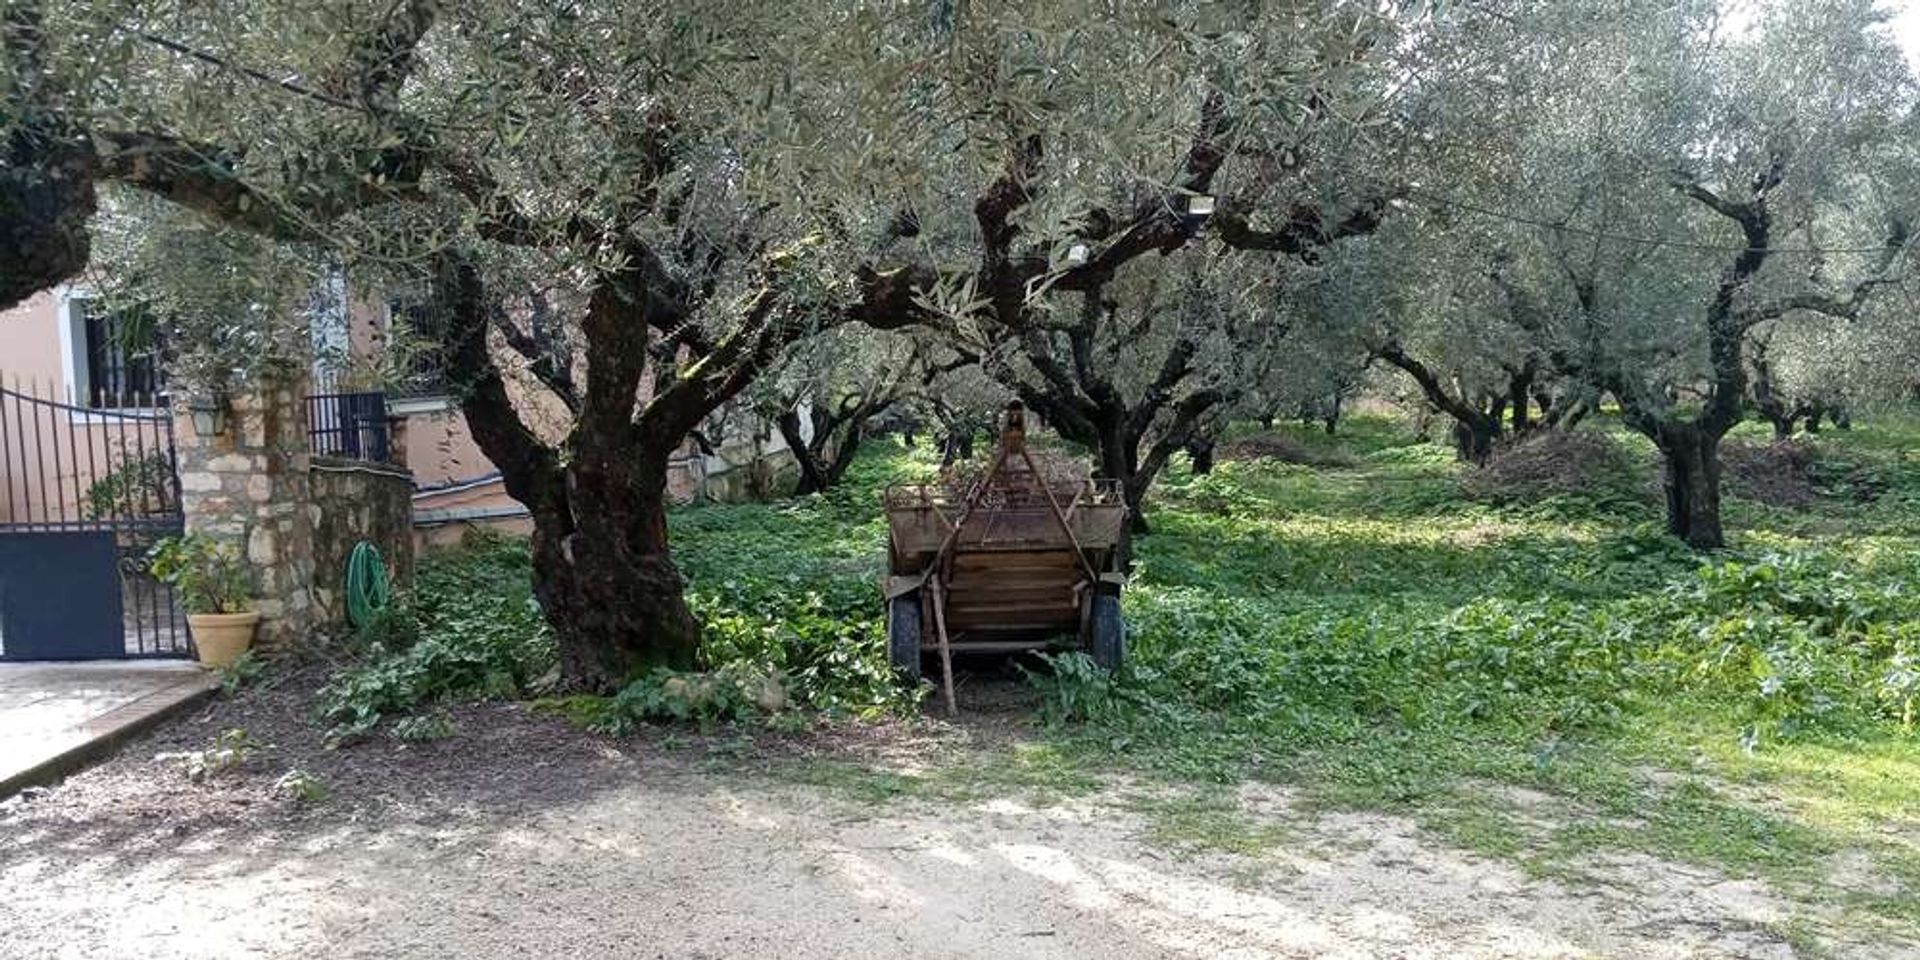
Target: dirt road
[{"x": 522, "y": 839}]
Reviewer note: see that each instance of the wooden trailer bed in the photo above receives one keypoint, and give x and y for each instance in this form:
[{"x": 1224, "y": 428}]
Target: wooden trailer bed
[{"x": 1012, "y": 561}]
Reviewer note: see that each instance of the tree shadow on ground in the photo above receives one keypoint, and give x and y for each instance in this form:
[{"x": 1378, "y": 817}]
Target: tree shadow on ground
[{"x": 523, "y": 837}]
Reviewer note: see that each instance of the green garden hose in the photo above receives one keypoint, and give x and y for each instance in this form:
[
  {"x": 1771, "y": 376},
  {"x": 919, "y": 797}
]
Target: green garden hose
[{"x": 367, "y": 590}]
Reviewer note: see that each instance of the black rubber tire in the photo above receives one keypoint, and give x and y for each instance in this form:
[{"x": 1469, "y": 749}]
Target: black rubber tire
[
  {"x": 903, "y": 636},
  {"x": 1108, "y": 632}
]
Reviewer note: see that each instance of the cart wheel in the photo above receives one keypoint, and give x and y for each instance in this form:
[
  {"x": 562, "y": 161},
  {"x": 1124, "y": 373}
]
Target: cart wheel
[
  {"x": 1109, "y": 632},
  {"x": 903, "y": 636}
]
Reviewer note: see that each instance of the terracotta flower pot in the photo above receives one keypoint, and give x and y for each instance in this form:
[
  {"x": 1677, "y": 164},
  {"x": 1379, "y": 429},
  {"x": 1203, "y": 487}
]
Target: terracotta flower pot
[{"x": 220, "y": 638}]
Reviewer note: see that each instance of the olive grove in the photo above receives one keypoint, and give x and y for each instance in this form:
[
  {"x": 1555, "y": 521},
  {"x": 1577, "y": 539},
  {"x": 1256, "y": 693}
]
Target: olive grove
[
  {"x": 1687, "y": 182},
  {"x": 716, "y": 180},
  {"x": 1144, "y": 223}
]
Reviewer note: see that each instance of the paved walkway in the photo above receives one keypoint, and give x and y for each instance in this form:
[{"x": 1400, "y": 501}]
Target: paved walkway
[{"x": 55, "y": 717}]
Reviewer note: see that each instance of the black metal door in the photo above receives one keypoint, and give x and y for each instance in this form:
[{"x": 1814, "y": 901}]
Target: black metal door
[
  {"x": 86, "y": 490},
  {"x": 60, "y": 596}
]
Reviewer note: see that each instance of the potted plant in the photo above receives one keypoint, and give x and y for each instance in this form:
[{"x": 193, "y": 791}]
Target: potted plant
[{"x": 211, "y": 585}]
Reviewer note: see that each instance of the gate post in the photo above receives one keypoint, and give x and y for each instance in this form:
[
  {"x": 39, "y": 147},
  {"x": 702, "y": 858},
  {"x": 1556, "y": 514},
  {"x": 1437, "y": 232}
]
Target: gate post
[{"x": 248, "y": 486}]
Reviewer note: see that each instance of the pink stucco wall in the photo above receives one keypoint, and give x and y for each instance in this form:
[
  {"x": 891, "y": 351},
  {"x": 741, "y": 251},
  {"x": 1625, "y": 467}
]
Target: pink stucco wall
[
  {"x": 441, "y": 450},
  {"x": 30, "y": 344}
]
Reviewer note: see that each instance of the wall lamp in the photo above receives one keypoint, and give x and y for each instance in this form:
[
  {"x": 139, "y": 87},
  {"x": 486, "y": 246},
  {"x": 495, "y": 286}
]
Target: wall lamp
[{"x": 209, "y": 412}]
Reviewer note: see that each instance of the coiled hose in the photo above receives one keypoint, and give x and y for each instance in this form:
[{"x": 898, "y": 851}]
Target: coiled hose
[{"x": 367, "y": 589}]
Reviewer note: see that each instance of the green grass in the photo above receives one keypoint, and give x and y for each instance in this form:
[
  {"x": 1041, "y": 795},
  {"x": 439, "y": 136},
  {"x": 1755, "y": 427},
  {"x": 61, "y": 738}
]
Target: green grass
[{"x": 1205, "y": 818}]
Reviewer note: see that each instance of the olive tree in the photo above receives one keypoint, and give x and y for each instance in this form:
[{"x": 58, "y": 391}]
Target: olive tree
[
  {"x": 1673, "y": 182},
  {"x": 710, "y": 182},
  {"x": 961, "y": 403},
  {"x": 1809, "y": 369},
  {"x": 829, "y": 393},
  {"x": 1447, "y": 307},
  {"x": 1148, "y": 362},
  {"x": 1772, "y": 146}
]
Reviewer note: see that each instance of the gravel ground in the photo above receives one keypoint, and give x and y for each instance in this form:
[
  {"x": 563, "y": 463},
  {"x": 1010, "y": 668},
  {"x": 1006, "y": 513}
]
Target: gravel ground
[{"x": 523, "y": 838}]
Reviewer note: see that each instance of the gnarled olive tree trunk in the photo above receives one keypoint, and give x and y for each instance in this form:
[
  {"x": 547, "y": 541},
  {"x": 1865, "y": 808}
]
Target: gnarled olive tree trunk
[
  {"x": 609, "y": 588},
  {"x": 1690, "y": 461},
  {"x": 1477, "y": 422},
  {"x": 603, "y": 572},
  {"x": 837, "y": 436}
]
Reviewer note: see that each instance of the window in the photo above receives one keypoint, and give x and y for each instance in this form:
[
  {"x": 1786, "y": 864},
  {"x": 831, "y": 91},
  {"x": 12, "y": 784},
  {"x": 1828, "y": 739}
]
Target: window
[
  {"x": 417, "y": 333},
  {"x": 329, "y": 330},
  {"x": 117, "y": 357}
]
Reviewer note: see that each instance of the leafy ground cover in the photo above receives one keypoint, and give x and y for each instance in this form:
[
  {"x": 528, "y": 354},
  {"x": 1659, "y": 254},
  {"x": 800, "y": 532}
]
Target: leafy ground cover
[
  {"x": 1369, "y": 634},
  {"x": 1537, "y": 674}
]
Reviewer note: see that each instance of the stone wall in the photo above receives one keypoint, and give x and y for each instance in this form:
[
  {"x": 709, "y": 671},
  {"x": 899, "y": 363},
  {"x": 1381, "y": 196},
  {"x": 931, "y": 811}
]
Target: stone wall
[
  {"x": 353, "y": 501},
  {"x": 249, "y": 487},
  {"x": 294, "y": 517}
]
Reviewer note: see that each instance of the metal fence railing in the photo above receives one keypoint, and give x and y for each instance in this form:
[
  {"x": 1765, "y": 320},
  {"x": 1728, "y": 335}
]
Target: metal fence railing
[
  {"x": 352, "y": 426},
  {"x": 85, "y": 493}
]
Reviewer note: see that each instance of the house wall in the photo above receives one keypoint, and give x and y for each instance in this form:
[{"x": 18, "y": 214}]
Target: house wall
[
  {"x": 53, "y": 457},
  {"x": 447, "y": 507},
  {"x": 295, "y": 517},
  {"x": 30, "y": 343},
  {"x": 249, "y": 488},
  {"x": 440, "y": 448},
  {"x": 443, "y": 516},
  {"x": 366, "y": 326}
]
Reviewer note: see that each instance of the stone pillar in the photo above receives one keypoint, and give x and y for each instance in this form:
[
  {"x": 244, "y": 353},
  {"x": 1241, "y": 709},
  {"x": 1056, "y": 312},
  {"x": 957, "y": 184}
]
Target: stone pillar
[{"x": 249, "y": 487}]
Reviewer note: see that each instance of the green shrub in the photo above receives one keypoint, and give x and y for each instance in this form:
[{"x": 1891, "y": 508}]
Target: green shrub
[
  {"x": 243, "y": 672},
  {"x": 424, "y": 728},
  {"x": 143, "y": 486},
  {"x": 1800, "y": 641},
  {"x": 301, "y": 787},
  {"x": 792, "y": 589},
  {"x": 1783, "y": 644},
  {"x": 1545, "y": 664},
  {"x": 468, "y": 630},
  {"x": 1900, "y": 685},
  {"x": 826, "y": 639},
  {"x": 232, "y": 750},
  {"x": 1245, "y": 622},
  {"x": 733, "y": 692},
  {"x": 770, "y": 603},
  {"x": 1074, "y": 689}
]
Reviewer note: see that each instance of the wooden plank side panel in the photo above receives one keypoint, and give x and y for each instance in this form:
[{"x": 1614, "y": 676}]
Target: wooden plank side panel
[
  {"x": 1026, "y": 593},
  {"x": 976, "y": 592},
  {"x": 982, "y": 560},
  {"x": 1025, "y": 629},
  {"x": 1000, "y": 645},
  {"x": 1045, "y": 607},
  {"x": 916, "y": 530}
]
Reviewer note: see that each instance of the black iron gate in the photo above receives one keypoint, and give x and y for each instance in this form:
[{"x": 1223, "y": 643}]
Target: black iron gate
[{"x": 85, "y": 493}]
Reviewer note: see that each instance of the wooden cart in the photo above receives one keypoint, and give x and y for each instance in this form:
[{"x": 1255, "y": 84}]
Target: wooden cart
[{"x": 1009, "y": 562}]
